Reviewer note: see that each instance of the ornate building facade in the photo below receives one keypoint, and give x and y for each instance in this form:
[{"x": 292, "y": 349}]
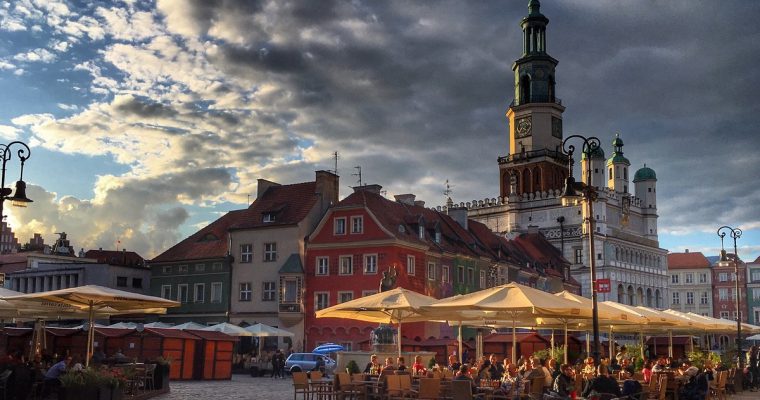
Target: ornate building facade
[{"x": 531, "y": 178}]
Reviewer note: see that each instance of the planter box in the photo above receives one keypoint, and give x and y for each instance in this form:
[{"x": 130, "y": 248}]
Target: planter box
[{"x": 78, "y": 393}]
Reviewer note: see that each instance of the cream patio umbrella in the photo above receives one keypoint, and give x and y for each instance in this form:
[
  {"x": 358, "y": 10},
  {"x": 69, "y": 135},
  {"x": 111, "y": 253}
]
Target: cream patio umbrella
[
  {"x": 397, "y": 306},
  {"x": 263, "y": 330},
  {"x": 189, "y": 326},
  {"x": 511, "y": 302},
  {"x": 90, "y": 299},
  {"x": 228, "y": 328}
]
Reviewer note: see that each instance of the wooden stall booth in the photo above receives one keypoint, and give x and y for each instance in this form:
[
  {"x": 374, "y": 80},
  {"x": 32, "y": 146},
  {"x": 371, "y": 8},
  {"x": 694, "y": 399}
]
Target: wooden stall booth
[
  {"x": 15, "y": 339},
  {"x": 501, "y": 343},
  {"x": 213, "y": 358},
  {"x": 172, "y": 344},
  {"x": 59, "y": 340}
]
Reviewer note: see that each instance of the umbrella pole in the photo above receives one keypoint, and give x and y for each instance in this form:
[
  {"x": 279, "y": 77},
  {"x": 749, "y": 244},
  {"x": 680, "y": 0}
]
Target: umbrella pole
[
  {"x": 514, "y": 342},
  {"x": 588, "y": 345},
  {"x": 551, "y": 343},
  {"x": 459, "y": 337},
  {"x": 670, "y": 343},
  {"x": 612, "y": 341},
  {"x": 566, "y": 344},
  {"x": 399, "y": 338},
  {"x": 90, "y": 334}
]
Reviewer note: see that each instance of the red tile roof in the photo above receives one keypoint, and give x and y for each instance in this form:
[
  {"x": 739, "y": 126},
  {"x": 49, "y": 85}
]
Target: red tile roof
[
  {"x": 209, "y": 242},
  {"x": 687, "y": 260},
  {"x": 289, "y": 204},
  {"x": 112, "y": 257}
]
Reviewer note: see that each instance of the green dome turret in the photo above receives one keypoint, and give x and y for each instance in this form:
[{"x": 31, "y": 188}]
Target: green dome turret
[
  {"x": 644, "y": 174},
  {"x": 597, "y": 154},
  {"x": 617, "y": 155}
]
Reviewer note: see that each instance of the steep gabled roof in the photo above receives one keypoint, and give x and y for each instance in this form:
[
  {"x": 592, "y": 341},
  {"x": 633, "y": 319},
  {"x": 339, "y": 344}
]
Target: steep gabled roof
[
  {"x": 115, "y": 257},
  {"x": 287, "y": 204},
  {"x": 209, "y": 242},
  {"x": 687, "y": 260}
]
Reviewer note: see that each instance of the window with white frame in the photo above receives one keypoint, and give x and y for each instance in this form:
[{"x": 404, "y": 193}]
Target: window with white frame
[
  {"x": 689, "y": 277},
  {"x": 482, "y": 279},
  {"x": 166, "y": 269},
  {"x": 268, "y": 291},
  {"x": 445, "y": 274},
  {"x": 723, "y": 294},
  {"x": 676, "y": 298},
  {"x": 217, "y": 266},
  {"x": 345, "y": 296},
  {"x": 370, "y": 263},
  {"x": 245, "y": 291},
  {"x": 756, "y": 295},
  {"x": 246, "y": 253},
  {"x": 735, "y": 315},
  {"x": 703, "y": 278},
  {"x": 270, "y": 252},
  {"x": 431, "y": 271},
  {"x": 321, "y": 300},
  {"x": 346, "y": 265},
  {"x": 705, "y": 298},
  {"x": 339, "y": 226},
  {"x": 323, "y": 266},
  {"x": 166, "y": 291},
  {"x": 410, "y": 268},
  {"x": 689, "y": 297},
  {"x": 674, "y": 279},
  {"x": 216, "y": 292},
  {"x": 200, "y": 292},
  {"x": 724, "y": 314},
  {"x": 755, "y": 275},
  {"x": 723, "y": 277},
  {"x": 200, "y": 267},
  {"x": 357, "y": 224},
  {"x": 578, "y": 255},
  {"x": 460, "y": 274},
  {"x": 182, "y": 268},
  {"x": 183, "y": 293}
]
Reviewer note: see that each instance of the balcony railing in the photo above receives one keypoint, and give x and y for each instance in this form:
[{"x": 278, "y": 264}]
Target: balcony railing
[
  {"x": 291, "y": 308},
  {"x": 537, "y": 99},
  {"x": 527, "y": 155}
]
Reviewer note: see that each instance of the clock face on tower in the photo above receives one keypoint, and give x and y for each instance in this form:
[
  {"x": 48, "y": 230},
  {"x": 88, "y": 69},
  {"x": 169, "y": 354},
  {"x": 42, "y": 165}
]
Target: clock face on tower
[{"x": 523, "y": 127}]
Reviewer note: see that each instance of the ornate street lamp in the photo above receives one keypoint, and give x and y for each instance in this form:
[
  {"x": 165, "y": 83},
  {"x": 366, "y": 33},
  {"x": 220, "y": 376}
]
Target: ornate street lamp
[
  {"x": 574, "y": 193},
  {"x": 19, "y": 198},
  {"x": 735, "y": 233}
]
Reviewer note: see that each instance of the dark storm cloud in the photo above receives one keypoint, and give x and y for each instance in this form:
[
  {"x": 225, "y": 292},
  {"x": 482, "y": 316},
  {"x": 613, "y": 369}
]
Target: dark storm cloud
[
  {"x": 144, "y": 108},
  {"x": 677, "y": 79}
]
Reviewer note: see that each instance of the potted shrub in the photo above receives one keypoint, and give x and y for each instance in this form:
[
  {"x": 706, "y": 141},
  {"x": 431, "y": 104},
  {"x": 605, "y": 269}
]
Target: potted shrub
[
  {"x": 78, "y": 385},
  {"x": 161, "y": 375},
  {"x": 352, "y": 367}
]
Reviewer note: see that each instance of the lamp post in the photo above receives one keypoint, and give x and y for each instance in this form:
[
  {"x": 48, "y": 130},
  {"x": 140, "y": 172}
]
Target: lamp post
[
  {"x": 735, "y": 233},
  {"x": 19, "y": 198},
  {"x": 574, "y": 193}
]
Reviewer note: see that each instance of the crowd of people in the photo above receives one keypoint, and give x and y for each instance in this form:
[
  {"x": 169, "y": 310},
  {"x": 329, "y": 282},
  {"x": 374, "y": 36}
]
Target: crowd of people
[{"x": 613, "y": 377}]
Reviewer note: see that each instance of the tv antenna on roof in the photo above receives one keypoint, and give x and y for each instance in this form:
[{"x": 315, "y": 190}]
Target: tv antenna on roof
[
  {"x": 448, "y": 190},
  {"x": 358, "y": 173}
]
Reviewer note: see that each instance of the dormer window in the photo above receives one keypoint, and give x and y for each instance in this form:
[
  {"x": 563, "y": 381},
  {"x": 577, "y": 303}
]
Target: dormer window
[
  {"x": 438, "y": 236},
  {"x": 268, "y": 217},
  {"x": 421, "y": 232}
]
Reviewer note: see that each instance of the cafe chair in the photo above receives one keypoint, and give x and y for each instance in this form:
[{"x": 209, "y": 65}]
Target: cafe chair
[
  {"x": 430, "y": 389},
  {"x": 301, "y": 386},
  {"x": 150, "y": 376},
  {"x": 536, "y": 390},
  {"x": 462, "y": 390}
]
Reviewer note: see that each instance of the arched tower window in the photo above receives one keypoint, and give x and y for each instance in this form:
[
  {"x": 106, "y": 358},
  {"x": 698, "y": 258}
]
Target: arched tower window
[
  {"x": 551, "y": 89},
  {"x": 621, "y": 294},
  {"x": 536, "y": 179},
  {"x": 631, "y": 298},
  {"x": 526, "y": 181},
  {"x": 525, "y": 89}
]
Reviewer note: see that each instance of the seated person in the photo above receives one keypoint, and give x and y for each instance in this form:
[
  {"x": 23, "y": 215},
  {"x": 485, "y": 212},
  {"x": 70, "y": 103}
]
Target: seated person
[
  {"x": 372, "y": 364},
  {"x": 647, "y": 371},
  {"x": 464, "y": 375},
  {"x": 627, "y": 367},
  {"x": 53, "y": 375},
  {"x": 661, "y": 365},
  {"x": 119, "y": 356},
  {"x": 565, "y": 381},
  {"x": 603, "y": 383},
  {"x": 389, "y": 364},
  {"x": 418, "y": 367},
  {"x": 401, "y": 364},
  {"x": 454, "y": 363},
  {"x": 589, "y": 369}
]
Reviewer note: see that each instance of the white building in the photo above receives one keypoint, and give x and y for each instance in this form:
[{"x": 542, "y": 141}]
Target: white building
[{"x": 532, "y": 176}]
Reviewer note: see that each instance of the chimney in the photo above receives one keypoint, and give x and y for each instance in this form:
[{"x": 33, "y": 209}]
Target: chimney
[
  {"x": 407, "y": 199},
  {"x": 263, "y": 185},
  {"x": 419, "y": 203},
  {"x": 375, "y": 188},
  {"x": 328, "y": 186},
  {"x": 459, "y": 214}
]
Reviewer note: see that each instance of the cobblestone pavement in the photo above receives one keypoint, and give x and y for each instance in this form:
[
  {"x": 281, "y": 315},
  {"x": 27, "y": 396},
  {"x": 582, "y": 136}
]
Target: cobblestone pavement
[{"x": 240, "y": 387}]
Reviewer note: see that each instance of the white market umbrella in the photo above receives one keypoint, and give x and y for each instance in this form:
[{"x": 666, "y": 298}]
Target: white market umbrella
[
  {"x": 227, "y": 328},
  {"x": 90, "y": 299},
  {"x": 189, "y": 325},
  {"x": 397, "y": 306},
  {"x": 158, "y": 325},
  {"x": 263, "y": 330}
]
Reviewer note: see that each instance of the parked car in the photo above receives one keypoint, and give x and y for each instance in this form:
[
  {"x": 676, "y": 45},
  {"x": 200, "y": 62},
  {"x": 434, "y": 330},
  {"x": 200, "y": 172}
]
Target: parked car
[{"x": 305, "y": 362}]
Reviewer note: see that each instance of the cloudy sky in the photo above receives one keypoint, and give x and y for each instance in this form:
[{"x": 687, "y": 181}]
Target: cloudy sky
[{"x": 149, "y": 119}]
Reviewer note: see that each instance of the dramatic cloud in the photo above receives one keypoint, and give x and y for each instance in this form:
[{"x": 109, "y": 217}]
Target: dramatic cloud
[{"x": 413, "y": 92}]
